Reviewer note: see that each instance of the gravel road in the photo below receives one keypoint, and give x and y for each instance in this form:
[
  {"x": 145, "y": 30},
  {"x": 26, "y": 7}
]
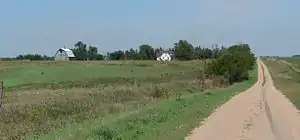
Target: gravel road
[{"x": 260, "y": 113}]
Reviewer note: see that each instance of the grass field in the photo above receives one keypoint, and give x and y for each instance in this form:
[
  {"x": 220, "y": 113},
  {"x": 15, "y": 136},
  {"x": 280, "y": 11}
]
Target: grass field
[
  {"x": 26, "y": 74},
  {"x": 108, "y": 99},
  {"x": 295, "y": 61},
  {"x": 286, "y": 78}
]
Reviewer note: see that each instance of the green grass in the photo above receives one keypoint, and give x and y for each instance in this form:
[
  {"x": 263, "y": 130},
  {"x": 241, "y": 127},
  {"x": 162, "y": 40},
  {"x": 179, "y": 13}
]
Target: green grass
[
  {"x": 18, "y": 75},
  {"x": 46, "y": 99},
  {"x": 29, "y": 74},
  {"x": 163, "y": 119},
  {"x": 49, "y": 95},
  {"x": 286, "y": 79}
]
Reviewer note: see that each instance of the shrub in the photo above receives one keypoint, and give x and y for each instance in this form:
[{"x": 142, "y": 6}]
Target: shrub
[{"x": 233, "y": 63}]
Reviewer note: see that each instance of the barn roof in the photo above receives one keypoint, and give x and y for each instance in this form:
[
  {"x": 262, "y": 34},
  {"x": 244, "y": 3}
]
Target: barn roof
[{"x": 68, "y": 52}]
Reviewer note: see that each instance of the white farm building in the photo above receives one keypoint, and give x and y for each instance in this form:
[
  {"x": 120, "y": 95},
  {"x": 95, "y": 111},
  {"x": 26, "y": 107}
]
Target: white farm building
[
  {"x": 64, "y": 54},
  {"x": 164, "y": 56}
]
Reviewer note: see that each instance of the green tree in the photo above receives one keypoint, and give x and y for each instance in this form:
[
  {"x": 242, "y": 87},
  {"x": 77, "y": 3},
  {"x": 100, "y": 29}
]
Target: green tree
[
  {"x": 33, "y": 57},
  {"x": 99, "y": 57},
  {"x": 131, "y": 54},
  {"x": 184, "y": 50},
  {"x": 117, "y": 55},
  {"x": 146, "y": 52},
  {"x": 233, "y": 63},
  {"x": 92, "y": 53},
  {"x": 80, "y": 51}
]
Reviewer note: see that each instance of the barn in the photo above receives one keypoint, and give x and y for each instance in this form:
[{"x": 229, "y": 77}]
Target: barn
[{"x": 64, "y": 54}]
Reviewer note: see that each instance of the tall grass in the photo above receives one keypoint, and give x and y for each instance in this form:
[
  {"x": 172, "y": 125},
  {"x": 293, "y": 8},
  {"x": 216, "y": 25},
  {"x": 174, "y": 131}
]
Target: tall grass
[
  {"x": 162, "y": 119},
  {"x": 38, "y": 102},
  {"x": 91, "y": 90},
  {"x": 286, "y": 79}
]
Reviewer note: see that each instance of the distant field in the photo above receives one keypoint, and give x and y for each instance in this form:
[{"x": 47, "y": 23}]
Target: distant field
[
  {"x": 108, "y": 99},
  {"x": 43, "y": 73},
  {"x": 286, "y": 77}
]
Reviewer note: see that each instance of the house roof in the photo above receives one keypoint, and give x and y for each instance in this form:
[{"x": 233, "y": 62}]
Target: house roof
[
  {"x": 68, "y": 52},
  {"x": 162, "y": 52}
]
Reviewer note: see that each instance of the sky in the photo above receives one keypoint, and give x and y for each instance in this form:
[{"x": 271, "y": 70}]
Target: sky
[{"x": 270, "y": 27}]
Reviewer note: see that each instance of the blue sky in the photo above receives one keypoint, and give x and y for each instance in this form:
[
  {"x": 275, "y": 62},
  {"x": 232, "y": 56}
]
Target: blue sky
[{"x": 271, "y": 27}]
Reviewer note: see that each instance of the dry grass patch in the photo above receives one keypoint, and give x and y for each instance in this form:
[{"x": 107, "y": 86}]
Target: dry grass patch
[{"x": 286, "y": 79}]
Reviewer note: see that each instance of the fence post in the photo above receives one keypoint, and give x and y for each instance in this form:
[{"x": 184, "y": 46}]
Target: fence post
[{"x": 1, "y": 93}]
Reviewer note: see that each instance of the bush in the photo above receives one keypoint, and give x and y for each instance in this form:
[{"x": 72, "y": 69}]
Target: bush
[{"x": 233, "y": 63}]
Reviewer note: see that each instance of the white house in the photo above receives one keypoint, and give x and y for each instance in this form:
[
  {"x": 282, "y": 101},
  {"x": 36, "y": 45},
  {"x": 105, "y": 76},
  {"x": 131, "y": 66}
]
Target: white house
[
  {"x": 164, "y": 56},
  {"x": 64, "y": 54}
]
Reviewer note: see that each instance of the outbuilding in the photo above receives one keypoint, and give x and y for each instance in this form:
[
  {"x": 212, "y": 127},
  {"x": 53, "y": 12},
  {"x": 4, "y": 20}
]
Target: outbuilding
[
  {"x": 164, "y": 56},
  {"x": 64, "y": 54}
]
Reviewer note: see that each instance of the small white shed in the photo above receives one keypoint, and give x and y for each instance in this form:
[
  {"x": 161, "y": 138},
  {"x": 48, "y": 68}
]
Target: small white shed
[
  {"x": 64, "y": 54},
  {"x": 164, "y": 56}
]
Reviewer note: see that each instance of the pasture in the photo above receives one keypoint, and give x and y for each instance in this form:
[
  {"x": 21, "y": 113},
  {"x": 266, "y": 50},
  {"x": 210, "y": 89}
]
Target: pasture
[
  {"x": 18, "y": 74},
  {"x": 108, "y": 99}
]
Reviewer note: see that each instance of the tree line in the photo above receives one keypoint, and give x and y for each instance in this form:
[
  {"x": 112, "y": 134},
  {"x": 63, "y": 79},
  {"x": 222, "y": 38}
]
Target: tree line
[
  {"x": 233, "y": 62},
  {"x": 182, "y": 50}
]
